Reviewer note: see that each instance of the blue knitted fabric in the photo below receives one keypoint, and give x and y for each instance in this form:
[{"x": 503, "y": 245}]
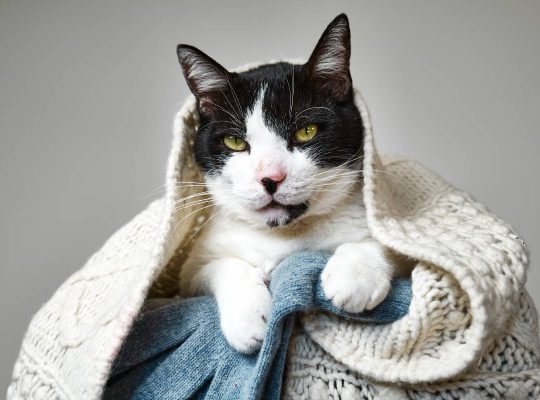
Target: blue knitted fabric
[{"x": 177, "y": 351}]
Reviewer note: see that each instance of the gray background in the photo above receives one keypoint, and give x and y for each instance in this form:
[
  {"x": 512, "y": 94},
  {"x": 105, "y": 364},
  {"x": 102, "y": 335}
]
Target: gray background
[{"x": 88, "y": 91}]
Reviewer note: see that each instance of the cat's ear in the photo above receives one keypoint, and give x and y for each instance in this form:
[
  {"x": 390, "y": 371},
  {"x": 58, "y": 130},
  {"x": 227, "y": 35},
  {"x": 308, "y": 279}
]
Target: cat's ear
[
  {"x": 205, "y": 77},
  {"x": 328, "y": 65}
]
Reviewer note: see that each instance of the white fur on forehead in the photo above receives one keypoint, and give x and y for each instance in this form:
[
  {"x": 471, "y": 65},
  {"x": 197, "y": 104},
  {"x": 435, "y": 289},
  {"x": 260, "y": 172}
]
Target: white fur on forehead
[
  {"x": 205, "y": 76},
  {"x": 332, "y": 56},
  {"x": 257, "y": 132}
]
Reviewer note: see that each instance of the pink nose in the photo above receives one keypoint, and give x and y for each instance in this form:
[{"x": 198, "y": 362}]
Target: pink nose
[
  {"x": 277, "y": 175},
  {"x": 271, "y": 179}
]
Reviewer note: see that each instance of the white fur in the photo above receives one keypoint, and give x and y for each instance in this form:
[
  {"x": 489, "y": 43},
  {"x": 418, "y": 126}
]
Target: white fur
[
  {"x": 237, "y": 251},
  {"x": 244, "y": 307},
  {"x": 357, "y": 276}
]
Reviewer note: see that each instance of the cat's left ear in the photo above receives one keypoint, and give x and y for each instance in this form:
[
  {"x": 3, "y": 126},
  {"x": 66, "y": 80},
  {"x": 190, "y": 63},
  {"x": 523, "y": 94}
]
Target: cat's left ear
[{"x": 328, "y": 65}]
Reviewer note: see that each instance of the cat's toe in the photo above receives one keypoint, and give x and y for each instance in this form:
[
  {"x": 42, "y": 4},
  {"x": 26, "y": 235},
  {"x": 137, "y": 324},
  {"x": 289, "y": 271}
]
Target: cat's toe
[
  {"x": 352, "y": 286},
  {"x": 345, "y": 294},
  {"x": 243, "y": 319},
  {"x": 247, "y": 340},
  {"x": 379, "y": 293}
]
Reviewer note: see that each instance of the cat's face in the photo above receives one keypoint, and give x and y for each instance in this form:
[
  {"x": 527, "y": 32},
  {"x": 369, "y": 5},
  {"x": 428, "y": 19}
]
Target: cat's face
[{"x": 281, "y": 141}]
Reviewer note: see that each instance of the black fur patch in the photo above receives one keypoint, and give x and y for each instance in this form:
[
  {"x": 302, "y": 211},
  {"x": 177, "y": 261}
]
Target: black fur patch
[
  {"x": 295, "y": 97},
  {"x": 340, "y": 134}
]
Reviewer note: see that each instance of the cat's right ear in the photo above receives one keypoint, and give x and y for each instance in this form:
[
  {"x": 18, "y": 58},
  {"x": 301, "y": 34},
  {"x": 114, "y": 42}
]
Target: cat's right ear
[{"x": 205, "y": 77}]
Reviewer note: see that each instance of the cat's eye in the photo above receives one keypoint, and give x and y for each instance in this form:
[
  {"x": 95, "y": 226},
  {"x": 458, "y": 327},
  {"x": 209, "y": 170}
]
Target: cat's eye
[
  {"x": 234, "y": 143},
  {"x": 306, "y": 133}
]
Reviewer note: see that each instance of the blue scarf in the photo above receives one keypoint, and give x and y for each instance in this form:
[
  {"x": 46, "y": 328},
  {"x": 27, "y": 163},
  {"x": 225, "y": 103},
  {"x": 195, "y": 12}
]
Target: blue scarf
[{"x": 177, "y": 351}]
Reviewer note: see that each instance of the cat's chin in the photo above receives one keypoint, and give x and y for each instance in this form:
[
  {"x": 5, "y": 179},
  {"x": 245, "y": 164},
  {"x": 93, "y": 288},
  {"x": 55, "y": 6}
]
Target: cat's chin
[{"x": 276, "y": 214}]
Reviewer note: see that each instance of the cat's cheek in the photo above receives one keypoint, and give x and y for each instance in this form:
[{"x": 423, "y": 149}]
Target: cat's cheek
[{"x": 238, "y": 184}]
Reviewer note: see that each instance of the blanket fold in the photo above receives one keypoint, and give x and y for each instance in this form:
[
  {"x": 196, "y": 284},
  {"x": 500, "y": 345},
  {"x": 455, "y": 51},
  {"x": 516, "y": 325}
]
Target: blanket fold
[{"x": 470, "y": 275}]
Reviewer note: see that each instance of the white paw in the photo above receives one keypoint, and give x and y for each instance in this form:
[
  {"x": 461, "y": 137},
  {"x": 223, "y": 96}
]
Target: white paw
[
  {"x": 244, "y": 311},
  {"x": 356, "y": 278}
]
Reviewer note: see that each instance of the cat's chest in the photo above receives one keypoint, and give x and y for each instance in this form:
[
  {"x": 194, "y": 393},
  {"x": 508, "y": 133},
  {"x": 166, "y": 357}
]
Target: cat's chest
[{"x": 265, "y": 248}]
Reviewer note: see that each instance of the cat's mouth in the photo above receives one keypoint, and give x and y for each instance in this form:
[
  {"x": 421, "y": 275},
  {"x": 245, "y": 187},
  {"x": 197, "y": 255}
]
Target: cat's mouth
[{"x": 289, "y": 212}]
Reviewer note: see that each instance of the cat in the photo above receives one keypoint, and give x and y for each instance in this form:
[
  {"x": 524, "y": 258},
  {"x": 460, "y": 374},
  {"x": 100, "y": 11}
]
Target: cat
[{"x": 281, "y": 150}]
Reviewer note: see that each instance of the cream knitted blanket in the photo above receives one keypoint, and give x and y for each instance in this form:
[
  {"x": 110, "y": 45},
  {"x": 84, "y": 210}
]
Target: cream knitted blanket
[{"x": 471, "y": 333}]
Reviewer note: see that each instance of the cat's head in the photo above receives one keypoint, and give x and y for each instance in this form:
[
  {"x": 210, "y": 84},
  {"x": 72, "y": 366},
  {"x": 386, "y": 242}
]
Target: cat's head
[{"x": 279, "y": 142}]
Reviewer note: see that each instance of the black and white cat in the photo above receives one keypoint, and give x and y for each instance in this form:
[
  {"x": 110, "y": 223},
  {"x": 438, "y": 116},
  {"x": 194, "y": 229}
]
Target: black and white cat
[{"x": 281, "y": 149}]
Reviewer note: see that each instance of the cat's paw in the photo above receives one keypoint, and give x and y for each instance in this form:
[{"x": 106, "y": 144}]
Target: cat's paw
[
  {"x": 244, "y": 313},
  {"x": 355, "y": 280}
]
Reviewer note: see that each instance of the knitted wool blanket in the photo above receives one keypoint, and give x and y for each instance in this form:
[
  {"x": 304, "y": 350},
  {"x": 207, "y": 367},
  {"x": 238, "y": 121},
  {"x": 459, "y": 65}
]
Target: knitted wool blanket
[
  {"x": 177, "y": 351},
  {"x": 471, "y": 331}
]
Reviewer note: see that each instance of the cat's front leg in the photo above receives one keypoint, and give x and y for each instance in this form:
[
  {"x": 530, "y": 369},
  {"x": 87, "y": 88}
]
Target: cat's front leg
[
  {"x": 243, "y": 299},
  {"x": 358, "y": 276}
]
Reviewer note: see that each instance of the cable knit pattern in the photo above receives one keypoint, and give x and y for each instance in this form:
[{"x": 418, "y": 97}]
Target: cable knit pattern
[{"x": 471, "y": 331}]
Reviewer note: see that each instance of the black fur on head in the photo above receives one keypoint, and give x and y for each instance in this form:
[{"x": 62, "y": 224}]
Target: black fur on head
[{"x": 318, "y": 92}]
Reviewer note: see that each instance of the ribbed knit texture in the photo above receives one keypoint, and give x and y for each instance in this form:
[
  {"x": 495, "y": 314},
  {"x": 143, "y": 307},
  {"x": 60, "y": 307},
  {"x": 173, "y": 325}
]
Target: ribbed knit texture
[{"x": 471, "y": 331}]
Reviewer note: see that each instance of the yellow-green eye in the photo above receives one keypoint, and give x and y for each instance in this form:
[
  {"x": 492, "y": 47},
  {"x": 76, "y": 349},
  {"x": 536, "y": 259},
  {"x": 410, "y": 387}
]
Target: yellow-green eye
[
  {"x": 306, "y": 133},
  {"x": 234, "y": 143}
]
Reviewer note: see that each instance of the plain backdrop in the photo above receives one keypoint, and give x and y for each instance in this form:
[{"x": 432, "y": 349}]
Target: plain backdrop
[{"x": 88, "y": 91}]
